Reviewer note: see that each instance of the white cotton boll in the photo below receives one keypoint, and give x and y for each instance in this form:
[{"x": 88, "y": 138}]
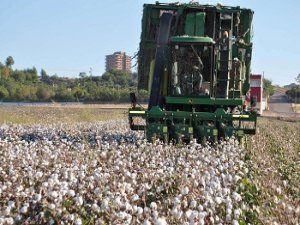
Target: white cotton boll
[
  {"x": 17, "y": 218},
  {"x": 140, "y": 210},
  {"x": 155, "y": 214},
  {"x": 51, "y": 222},
  {"x": 193, "y": 204},
  {"x": 153, "y": 205},
  {"x": 185, "y": 191},
  {"x": 7, "y": 211},
  {"x": 9, "y": 221},
  {"x": 18, "y": 188},
  {"x": 122, "y": 215},
  {"x": 146, "y": 222},
  {"x": 54, "y": 194},
  {"x": 78, "y": 221},
  {"x": 243, "y": 206},
  {"x": 235, "y": 222},
  {"x": 200, "y": 208},
  {"x": 134, "y": 208},
  {"x": 176, "y": 201},
  {"x": 236, "y": 197},
  {"x": 95, "y": 208},
  {"x": 176, "y": 212},
  {"x": 11, "y": 204},
  {"x": 201, "y": 222},
  {"x": 195, "y": 184},
  {"x": 202, "y": 181},
  {"x": 128, "y": 207},
  {"x": 52, "y": 206},
  {"x": 217, "y": 219},
  {"x": 39, "y": 174},
  {"x": 229, "y": 178},
  {"x": 202, "y": 215},
  {"x": 38, "y": 197},
  {"x": 71, "y": 217},
  {"x": 228, "y": 218},
  {"x": 79, "y": 200},
  {"x": 236, "y": 213},
  {"x": 146, "y": 209},
  {"x": 71, "y": 193},
  {"x": 188, "y": 213},
  {"x": 135, "y": 197},
  {"x": 117, "y": 202},
  {"x": 104, "y": 204},
  {"x": 97, "y": 191},
  {"x": 236, "y": 178},
  {"x": 218, "y": 200},
  {"x": 161, "y": 221},
  {"x": 193, "y": 217},
  {"x": 24, "y": 209}
]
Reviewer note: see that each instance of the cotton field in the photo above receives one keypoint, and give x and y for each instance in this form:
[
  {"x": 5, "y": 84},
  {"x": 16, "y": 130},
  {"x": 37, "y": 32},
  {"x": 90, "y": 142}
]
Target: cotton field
[{"x": 103, "y": 173}]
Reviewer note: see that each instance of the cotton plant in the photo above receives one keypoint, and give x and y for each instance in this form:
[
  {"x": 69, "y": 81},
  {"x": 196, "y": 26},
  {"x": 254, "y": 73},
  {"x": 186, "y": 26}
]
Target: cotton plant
[{"x": 106, "y": 173}]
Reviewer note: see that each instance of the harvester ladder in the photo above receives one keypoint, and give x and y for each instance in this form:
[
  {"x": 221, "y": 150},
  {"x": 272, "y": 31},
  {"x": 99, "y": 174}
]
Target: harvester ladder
[{"x": 225, "y": 49}]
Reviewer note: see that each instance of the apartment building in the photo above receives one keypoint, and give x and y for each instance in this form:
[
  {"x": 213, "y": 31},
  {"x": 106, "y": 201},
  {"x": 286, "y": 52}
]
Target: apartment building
[{"x": 118, "y": 61}]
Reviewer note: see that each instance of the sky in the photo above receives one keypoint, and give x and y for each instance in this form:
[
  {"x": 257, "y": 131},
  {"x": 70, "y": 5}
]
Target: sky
[{"x": 66, "y": 37}]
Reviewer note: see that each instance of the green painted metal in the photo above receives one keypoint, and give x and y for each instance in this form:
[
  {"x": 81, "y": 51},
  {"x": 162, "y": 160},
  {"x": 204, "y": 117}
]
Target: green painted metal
[
  {"x": 206, "y": 133},
  {"x": 200, "y": 24},
  {"x": 190, "y": 24},
  {"x": 203, "y": 115},
  {"x": 190, "y": 125},
  {"x": 181, "y": 132},
  {"x": 191, "y": 39},
  {"x": 203, "y": 101},
  {"x": 194, "y": 24},
  {"x": 156, "y": 131}
]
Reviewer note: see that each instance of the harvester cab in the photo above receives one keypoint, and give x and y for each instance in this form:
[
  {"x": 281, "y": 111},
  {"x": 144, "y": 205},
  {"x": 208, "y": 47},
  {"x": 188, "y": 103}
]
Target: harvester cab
[
  {"x": 194, "y": 60},
  {"x": 189, "y": 76}
]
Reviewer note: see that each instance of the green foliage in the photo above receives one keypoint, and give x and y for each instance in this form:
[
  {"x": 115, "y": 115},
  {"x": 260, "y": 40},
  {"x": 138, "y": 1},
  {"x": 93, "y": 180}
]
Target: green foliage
[
  {"x": 79, "y": 92},
  {"x": 294, "y": 92},
  {"x": 268, "y": 87},
  {"x": 5, "y": 72},
  {"x": 63, "y": 94},
  {"x": 3, "y": 92},
  {"x": 9, "y": 61},
  {"x": 28, "y": 85},
  {"x": 44, "y": 93},
  {"x": 298, "y": 79}
]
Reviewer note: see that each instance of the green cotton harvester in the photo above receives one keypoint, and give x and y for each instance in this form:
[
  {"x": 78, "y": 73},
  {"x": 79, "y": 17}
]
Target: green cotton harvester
[{"x": 194, "y": 60}]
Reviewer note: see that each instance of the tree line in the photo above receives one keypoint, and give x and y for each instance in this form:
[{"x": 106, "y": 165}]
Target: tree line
[
  {"x": 294, "y": 92},
  {"x": 29, "y": 85}
]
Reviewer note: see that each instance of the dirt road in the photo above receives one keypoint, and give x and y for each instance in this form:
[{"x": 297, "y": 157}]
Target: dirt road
[{"x": 280, "y": 103}]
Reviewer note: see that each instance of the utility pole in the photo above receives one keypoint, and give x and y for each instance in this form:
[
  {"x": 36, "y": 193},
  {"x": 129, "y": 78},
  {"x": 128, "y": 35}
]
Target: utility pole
[{"x": 91, "y": 73}]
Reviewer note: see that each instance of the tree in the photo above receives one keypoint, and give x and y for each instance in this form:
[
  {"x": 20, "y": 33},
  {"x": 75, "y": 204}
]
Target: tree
[
  {"x": 268, "y": 87},
  {"x": 298, "y": 79},
  {"x": 79, "y": 92},
  {"x": 43, "y": 73},
  {"x": 9, "y": 61},
  {"x": 3, "y": 92},
  {"x": 44, "y": 93},
  {"x": 18, "y": 76},
  {"x": 5, "y": 72},
  {"x": 82, "y": 75}
]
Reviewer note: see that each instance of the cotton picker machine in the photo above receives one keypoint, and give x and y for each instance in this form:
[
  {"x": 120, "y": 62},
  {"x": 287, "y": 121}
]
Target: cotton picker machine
[{"x": 195, "y": 62}]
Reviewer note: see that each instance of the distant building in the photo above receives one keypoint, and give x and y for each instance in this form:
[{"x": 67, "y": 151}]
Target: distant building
[
  {"x": 290, "y": 86},
  {"x": 118, "y": 61},
  {"x": 256, "y": 85}
]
